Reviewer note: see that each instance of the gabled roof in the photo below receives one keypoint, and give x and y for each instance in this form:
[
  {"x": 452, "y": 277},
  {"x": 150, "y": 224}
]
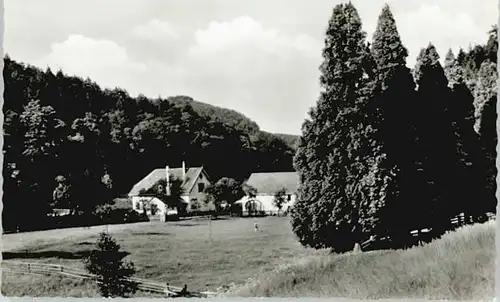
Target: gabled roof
[
  {"x": 269, "y": 183},
  {"x": 147, "y": 182}
]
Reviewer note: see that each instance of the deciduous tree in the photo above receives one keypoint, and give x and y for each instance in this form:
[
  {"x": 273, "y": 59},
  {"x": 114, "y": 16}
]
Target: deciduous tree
[
  {"x": 225, "y": 190},
  {"x": 62, "y": 193},
  {"x": 280, "y": 199}
]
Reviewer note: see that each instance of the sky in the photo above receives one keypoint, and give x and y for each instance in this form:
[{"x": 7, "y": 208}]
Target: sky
[{"x": 258, "y": 57}]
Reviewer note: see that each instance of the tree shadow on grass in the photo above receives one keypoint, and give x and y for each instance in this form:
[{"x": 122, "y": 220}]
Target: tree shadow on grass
[
  {"x": 149, "y": 234},
  {"x": 186, "y": 224},
  {"x": 49, "y": 254},
  {"x": 205, "y": 218}
]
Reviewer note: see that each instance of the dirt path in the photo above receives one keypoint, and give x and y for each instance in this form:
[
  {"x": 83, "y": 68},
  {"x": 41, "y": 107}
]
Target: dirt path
[{"x": 11, "y": 242}]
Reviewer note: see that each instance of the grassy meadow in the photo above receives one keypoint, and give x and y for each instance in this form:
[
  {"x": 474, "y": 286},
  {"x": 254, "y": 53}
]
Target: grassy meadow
[
  {"x": 459, "y": 266},
  {"x": 184, "y": 252},
  {"x": 267, "y": 263}
]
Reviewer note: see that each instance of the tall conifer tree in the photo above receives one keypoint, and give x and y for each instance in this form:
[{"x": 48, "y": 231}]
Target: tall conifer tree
[
  {"x": 452, "y": 69},
  {"x": 469, "y": 185},
  {"x": 485, "y": 124},
  {"x": 326, "y": 214},
  {"x": 394, "y": 98},
  {"x": 436, "y": 139},
  {"x": 485, "y": 90},
  {"x": 467, "y": 173}
]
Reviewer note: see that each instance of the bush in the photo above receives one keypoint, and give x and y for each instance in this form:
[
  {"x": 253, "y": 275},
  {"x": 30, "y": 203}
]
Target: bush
[
  {"x": 236, "y": 209},
  {"x": 110, "y": 214},
  {"x": 107, "y": 263}
]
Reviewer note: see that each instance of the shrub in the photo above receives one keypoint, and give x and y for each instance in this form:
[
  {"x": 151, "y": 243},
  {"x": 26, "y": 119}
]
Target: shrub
[
  {"x": 111, "y": 214},
  {"x": 107, "y": 263}
]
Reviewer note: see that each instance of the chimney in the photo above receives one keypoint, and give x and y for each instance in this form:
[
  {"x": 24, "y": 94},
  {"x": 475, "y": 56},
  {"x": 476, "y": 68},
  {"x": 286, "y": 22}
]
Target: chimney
[
  {"x": 167, "y": 189},
  {"x": 183, "y": 171}
]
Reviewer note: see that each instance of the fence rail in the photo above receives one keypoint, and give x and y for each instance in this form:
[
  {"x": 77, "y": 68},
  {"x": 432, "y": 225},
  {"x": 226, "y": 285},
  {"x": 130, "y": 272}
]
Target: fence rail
[
  {"x": 48, "y": 269},
  {"x": 457, "y": 221}
]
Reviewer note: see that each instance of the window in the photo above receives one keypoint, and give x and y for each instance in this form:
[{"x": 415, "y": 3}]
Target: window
[
  {"x": 289, "y": 197},
  {"x": 138, "y": 205},
  {"x": 201, "y": 187}
]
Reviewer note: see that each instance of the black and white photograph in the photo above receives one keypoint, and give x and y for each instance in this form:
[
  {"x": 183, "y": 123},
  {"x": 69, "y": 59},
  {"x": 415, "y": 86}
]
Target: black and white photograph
[{"x": 249, "y": 149}]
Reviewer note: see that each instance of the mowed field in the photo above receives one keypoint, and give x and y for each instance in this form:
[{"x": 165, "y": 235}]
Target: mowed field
[
  {"x": 270, "y": 263},
  {"x": 202, "y": 254}
]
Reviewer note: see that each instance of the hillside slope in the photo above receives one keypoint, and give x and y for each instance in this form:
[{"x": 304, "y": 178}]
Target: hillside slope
[
  {"x": 290, "y": 139},
  {"x": 231, "y": 118},
  {"x": 228, "y": 116},
  {"x": 459, "y": 266}
]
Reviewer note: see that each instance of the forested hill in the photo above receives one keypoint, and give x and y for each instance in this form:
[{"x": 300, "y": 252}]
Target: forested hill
[
  {"x": 227, "y": 116},
  {"x": 290, "y": 139},
  {"x": 231, "y": 118},
  {"x": 62, "y": 130}
]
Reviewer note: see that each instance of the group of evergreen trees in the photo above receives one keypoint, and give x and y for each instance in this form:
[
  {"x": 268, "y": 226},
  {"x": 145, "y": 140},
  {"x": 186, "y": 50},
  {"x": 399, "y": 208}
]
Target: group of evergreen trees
[
  {"x": 71, "y": 144},
  {"x": 388, "y": 150}
]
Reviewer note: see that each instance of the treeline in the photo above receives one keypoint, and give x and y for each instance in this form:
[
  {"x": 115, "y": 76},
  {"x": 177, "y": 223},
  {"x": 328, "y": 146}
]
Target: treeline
[
  {"x": 290, "y": 139},
  {"x": 71, "y": 144},
  {"x": 387, "y": 149}
]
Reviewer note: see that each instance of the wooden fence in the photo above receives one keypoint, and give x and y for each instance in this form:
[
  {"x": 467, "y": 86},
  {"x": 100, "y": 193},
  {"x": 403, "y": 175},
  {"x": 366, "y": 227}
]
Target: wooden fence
[
  {"x": 66, "y": 271},
  {"x": 457, "y": 221}
]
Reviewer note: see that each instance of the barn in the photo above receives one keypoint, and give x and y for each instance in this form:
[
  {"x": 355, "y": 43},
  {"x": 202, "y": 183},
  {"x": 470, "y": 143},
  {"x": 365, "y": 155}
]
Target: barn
[
  {"x": 266, "y": 185},
  {"x": 194, "y": 182}
]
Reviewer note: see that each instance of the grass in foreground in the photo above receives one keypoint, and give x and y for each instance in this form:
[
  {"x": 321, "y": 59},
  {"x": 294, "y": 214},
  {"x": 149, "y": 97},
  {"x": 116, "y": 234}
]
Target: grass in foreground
[
  {"x": 15, "y": 285},
  {"x": 460, "y": 265},
  {"x": 175, "y": 252}
]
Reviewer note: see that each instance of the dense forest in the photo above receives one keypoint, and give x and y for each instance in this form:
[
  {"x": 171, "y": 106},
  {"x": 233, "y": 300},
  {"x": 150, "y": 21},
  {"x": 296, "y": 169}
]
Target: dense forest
[
  {"x": 232, "y": 118},
  {"x": 388, "y": 150},
  {"x": 66, "y": 133}
]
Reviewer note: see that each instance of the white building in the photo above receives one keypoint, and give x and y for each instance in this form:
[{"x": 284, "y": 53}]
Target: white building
[
  {"x": 194, "y": 182},
  {"x": 266, "y": 185}
]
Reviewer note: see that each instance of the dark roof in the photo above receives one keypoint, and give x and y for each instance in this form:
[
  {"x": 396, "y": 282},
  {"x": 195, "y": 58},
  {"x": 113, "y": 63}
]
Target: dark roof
[
  {"x": 269, "y": 183},
  {"x": 147, "y": 182}
]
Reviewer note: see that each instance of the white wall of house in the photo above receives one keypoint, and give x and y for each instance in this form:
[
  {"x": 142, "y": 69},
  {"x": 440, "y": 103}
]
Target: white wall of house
[
  {"x": 138, "y": 204},
  {"x": 198, "y": 190},
  {"x": 267, "y": 202},
  {"x": 197, "y": 195},
  {"x": 160, "y": 206},
  {"x": 139, "y": 201}
]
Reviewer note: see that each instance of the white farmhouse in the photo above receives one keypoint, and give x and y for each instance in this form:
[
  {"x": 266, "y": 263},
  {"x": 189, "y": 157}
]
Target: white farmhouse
[
  {"x": 267, "y": 184},
  {"x": 194, "y": 182}
]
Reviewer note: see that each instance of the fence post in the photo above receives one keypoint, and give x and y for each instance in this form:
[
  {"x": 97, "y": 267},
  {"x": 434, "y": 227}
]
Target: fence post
[{"x": 29, "y": 270}]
